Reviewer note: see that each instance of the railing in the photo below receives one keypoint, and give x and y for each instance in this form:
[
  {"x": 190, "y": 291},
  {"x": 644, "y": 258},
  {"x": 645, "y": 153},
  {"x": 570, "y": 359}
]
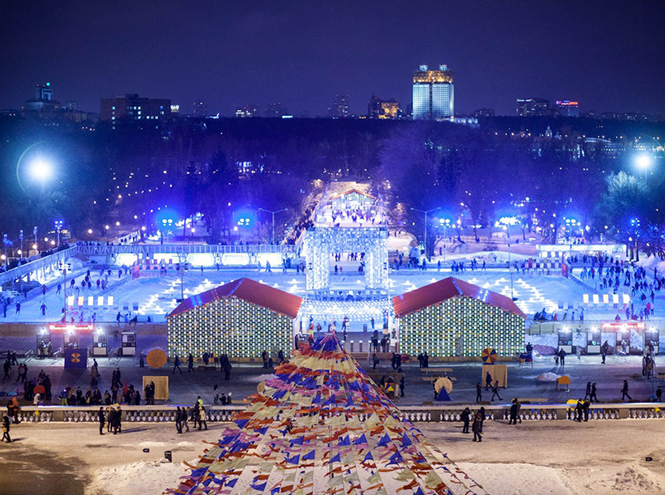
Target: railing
[
  {"x": 148, "y": 250},
  {"x": 426, "y": 414},
  {"x": 32, "y": 266}
]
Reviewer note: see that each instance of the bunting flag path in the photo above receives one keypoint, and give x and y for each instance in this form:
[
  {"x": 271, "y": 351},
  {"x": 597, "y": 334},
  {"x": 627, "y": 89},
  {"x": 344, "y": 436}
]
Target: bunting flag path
[{"x": 322, "y": 426}]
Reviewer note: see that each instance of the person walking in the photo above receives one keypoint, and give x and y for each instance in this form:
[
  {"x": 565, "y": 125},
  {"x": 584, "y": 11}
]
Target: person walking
[
  {"x": 101, "y": 417},
  {"x": 7, "y": 368},
  {"x": 593, "y": 397},
  {"x": 495, "y": 391},
  {"x": 176, "y": 364},
  {"x": 514, "y": 412},
  {"x": 587, "y": 392},
  {"x": 585, "y": 406},
  {"x": 579, "y": 409},
  {"x": 603, "y": 350},
  {"x": 465, "y": 417},
  {"x": 479, "y": 392},
  {"x": 488, "y": 381},
  {"x": 202, "y": 417},
  {"x": 624, "y": 391},
  {"x": 375, "y": 360},
  {"x": 184, "y": 418},
  {"x": 659, "y": 394},
  {"x": 5, "y": 429},
  {"x": 477, "y": 428},
  {"x": 190, "y": 363},
  {"x": 178, "y": 420}
]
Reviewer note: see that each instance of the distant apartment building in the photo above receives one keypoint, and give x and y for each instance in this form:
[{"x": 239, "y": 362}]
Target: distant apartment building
[
  {"x": 433, "y": 94},
  {"x": 567, "y": 108},
  {"x": 533, "y": 107},
  {"x": 132, "y": 108},
  {"x": 340, "y": 108},
  {"x": 43, "y": 103},
  {"x": 247, "y": 111},
  {"x": 383, "y": 109},
  {"x": 483, "y": 112}
]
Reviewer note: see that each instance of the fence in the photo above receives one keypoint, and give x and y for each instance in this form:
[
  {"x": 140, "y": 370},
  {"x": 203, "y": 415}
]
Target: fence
[{"x": 425, "y": 414}]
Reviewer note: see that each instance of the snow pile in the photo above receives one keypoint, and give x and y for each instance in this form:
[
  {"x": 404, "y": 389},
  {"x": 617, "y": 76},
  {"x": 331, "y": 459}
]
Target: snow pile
[
  {"x": 517, "y": 479},
  {"x": 635, "y": 479},
  {"x": 547, "y": 377},
  {"x": 138, "y": 477}
]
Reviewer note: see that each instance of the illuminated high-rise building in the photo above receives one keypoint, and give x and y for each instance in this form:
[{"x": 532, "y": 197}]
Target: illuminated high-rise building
[
  {"x": 433, "y": 97},
  {"x": 340, "y": 109}
]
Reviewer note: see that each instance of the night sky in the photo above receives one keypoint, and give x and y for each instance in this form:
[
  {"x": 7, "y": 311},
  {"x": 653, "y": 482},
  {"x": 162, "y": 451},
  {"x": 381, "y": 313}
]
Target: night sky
[{"x": 609, "y": 55}]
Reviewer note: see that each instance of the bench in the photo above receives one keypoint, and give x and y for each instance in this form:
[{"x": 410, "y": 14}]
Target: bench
[
  {"x": 206, "y": 368},
  {"x": 436, "y": 369},
  {"x": 435, "y": 378},
  {"x": 532, "y": 400}
]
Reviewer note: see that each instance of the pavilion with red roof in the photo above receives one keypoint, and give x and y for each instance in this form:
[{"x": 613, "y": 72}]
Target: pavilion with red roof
[
  {"x": 240, "y": 319},
  {"x": 453, "y": 318}
]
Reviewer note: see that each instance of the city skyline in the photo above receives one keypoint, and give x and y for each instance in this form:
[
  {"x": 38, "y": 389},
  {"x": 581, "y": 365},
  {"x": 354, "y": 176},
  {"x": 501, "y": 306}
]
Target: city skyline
[{"x": 231, "y": 55}]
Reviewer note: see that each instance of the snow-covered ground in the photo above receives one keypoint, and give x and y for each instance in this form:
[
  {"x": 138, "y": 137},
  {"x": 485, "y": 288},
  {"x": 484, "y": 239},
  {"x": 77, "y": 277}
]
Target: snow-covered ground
[{"x": 535, "y": 458}]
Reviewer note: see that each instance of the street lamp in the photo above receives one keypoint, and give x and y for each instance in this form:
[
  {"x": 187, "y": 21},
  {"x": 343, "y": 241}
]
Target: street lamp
[
  {"x": 273, "y": 220},
  {"x": 36, "y": 246},
  {"x": 20, "y": 236},
  {"x": 166, "y": 223},
  {"x": 58, "y": 227},
  {"x": 445, "y": 223},
  {"x": 644, "y": 162},
  {"x": 426, "y": 212},
  {"x": 5, "y": 240}
]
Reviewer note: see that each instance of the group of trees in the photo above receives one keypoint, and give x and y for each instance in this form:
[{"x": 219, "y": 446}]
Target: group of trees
[{"x": 480, "y": 175}]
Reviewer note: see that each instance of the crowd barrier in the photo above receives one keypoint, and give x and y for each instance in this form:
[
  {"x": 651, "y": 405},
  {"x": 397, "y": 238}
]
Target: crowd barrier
[{"x": 416, "y": 414}]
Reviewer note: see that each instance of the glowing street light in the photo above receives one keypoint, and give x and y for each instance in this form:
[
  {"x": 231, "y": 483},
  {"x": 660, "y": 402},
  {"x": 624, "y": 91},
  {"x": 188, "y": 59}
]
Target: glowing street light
[
  {"x": 58, "y": 228},
  {"x": 273, "y": 220},
  {"x": 426, "y": 212},
  {"x": 644, "y": 162}
]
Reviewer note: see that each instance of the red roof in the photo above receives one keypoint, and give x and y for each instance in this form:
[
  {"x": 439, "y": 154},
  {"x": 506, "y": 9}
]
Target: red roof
[
  {"x": 248, "y": 290},
  {"x": 446, "y": 289}
]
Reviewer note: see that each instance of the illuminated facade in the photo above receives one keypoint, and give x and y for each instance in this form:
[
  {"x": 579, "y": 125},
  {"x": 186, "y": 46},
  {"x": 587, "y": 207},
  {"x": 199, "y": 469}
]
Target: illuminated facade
[
  {"x": 533, "y": 107},
  {"x": 567, "y": 108},
  {"x": 132, "y": 108},
  {"x": 433, "y": 95},
  {"x": 383, "y": 109},
  {"x": 241, "y": 319},
  {"x": 452, "y": 318}
]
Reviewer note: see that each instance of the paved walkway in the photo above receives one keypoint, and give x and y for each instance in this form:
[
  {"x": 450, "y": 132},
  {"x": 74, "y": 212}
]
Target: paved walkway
[{"x": 185, "y": 387}]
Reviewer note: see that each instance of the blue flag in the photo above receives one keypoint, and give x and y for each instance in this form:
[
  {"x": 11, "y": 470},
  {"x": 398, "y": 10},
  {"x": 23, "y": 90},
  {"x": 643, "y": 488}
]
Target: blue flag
[
  {"x": 360, "y": 440},
  {"x": 336, "y": 458},
  {"x": 309, "y": 455},
  {"x": 384, "y": 441}
]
